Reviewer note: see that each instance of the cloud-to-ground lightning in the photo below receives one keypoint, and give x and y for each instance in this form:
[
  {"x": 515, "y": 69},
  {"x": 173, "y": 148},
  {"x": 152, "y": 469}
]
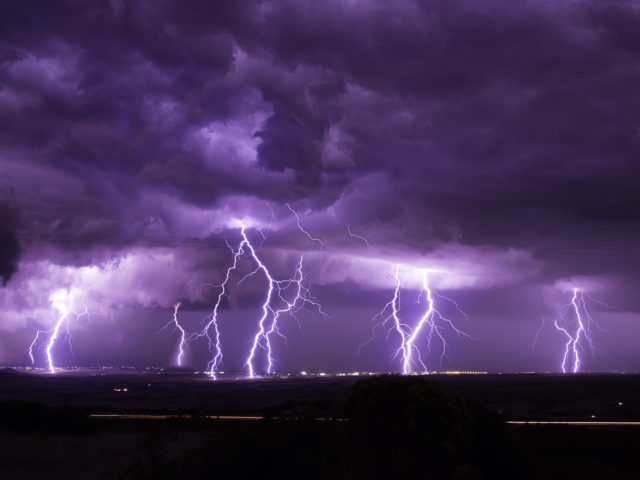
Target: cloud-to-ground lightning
[
  {"x": 59, "y": 301},
  {"x": 212, "y": 326},
  {"x": 268, "y": 322},
  {"x": 183, "y": 334},
  {"x": 64, "y": 317},
  {"x": 430, "y": 323},
  {"x": 33, "y": 344},
  {"x": 302, "y": 296},
  {"x": 266, "y": 306},
  {"x": 575, "y": 336}
]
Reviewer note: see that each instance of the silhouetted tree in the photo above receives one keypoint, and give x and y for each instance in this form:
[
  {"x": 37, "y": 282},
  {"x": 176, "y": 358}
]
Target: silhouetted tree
[{"x": 408, "y": 427}]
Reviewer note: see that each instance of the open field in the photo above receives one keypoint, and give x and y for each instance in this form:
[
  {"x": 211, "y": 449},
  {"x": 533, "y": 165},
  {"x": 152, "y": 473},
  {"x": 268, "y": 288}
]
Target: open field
[
  {"x": 517, "y": 397},
  {"x": 58, "y": 426}
]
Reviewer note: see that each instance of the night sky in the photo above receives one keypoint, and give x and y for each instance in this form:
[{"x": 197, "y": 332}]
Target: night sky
[{"x": 493, "y": 144}]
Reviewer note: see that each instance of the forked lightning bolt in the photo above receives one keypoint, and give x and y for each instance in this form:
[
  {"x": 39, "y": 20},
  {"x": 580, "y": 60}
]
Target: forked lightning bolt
[
  {"x": 212, "y": 326},
  {"x": 268, "y": 324},
  {"x": 432, "y": 323},
  {"x": 577, "y": 336},
  {"x": 277, "y": 291},
  {"x": 301, "y": 297},
  {"x": 57, "y": 300}
]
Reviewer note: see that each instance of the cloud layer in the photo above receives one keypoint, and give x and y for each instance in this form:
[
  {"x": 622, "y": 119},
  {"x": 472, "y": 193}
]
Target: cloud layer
[{"x": 496, "y": 143}]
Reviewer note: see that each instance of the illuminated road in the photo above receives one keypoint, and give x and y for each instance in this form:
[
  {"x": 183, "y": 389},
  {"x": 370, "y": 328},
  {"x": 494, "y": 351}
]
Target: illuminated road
[
  {"x": 573, "y": 423},
  {"x": 148, "y": 416}
]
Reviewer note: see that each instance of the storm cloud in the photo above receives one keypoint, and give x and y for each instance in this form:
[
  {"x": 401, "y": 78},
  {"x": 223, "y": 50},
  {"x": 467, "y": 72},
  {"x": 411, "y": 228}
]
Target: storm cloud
[{"x": 493, "y": 142}]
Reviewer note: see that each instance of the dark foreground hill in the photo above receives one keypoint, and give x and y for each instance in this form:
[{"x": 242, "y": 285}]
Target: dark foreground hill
[{"x": 377, "y": 427}]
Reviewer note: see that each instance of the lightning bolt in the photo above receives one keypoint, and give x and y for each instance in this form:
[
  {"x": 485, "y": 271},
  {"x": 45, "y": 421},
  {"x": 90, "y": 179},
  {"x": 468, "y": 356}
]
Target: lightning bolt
[
  {"x": 432, "y": 323},
  {"x": 64, "y": 317},
  {"x": 537, "y": 335},
  {"x": 266, "y": 308},
  {"x": 390, "y": 312},
  {"x": 583, "y": 320},
  {"x": 300, "y": 299},
  {"x": 183, "y": 334},
  {"x": 301, "y": 228},
  {"x": 268, "y": 323},
  {"x": 57, "y": 300},
  {"x": 215, "y": 343},
  {"x": 358, "y": 237},
  {"x": 33, "y": 344}
]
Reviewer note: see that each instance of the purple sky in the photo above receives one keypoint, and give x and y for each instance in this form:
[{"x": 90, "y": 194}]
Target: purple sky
[{"x": 494, "y": 144}]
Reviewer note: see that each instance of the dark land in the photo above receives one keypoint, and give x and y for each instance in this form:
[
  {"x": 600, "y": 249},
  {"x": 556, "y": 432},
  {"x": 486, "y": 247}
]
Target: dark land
[{"x": 438, "y": 426}]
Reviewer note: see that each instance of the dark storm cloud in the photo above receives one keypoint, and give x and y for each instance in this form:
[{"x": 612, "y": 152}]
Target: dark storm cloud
[
  {"x": 493, "y": 123},
  {"x": 9, "y": 244},
  {"x": 476, "y": 112},
  {"x": 512, "y": 111}
]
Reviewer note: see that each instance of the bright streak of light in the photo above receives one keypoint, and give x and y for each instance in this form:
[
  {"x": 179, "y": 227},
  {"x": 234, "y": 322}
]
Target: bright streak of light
[
  {"x": 301, "y": 228},
  {"x": 269, "y": 321},
  {"x": 183, "y": 334},
  {"x": 60, "y": 300},
  {"x": 215, "y": 343},
  {"x": 266, "y": 308},
  {"x": 432, "y": 322},
  {"x": 574, "y": 344},
  {"x": 358, "y": 237}
]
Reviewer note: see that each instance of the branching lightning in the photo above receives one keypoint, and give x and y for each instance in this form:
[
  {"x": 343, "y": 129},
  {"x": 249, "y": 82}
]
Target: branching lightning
[
  {"x": 302, "y": 297},
  {"x": 432, "y": 323},
  {"x": 582, "y": 333},
  {"x": 268, "y": 324},
  {"x": 215, "y": 343},
  {"x": 277, "y": 291},
  {"x": 183, "y": 334},
  {"x": 57, "y": 300}
]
